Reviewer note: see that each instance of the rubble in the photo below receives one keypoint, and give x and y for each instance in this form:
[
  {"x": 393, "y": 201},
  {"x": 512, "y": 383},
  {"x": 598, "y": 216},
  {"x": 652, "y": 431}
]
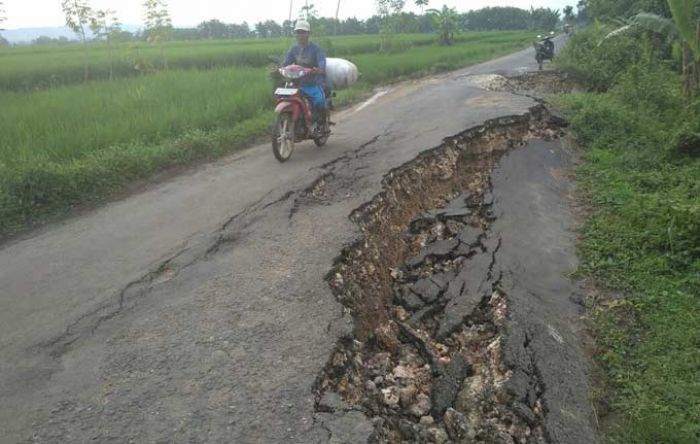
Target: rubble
[{"x": 423, "y": 285}]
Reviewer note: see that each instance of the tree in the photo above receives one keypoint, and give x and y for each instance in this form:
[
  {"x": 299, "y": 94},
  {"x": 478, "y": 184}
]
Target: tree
[
  {"x": 159, "y": 26},
  {"x": 445, "y": 20},
  {"x": 105, "y": 26},
  {"x": 308, "y": 12},
  {"x": 213, "y": 29},
  {"x": 613, "y": 9},
  {"x": 544, "y": 18},
  {"x": 2, "y": 16},
  {"x": 422, "y": 4},
  {"x": 582, "y": 14},
  {"x": 568, "y": 14},
  {"x": 78, "y": 14},
  {"x": 682, "y": 29},
  {"x": 268, "y": 28},
  {"x": 388, "y": 10},
  {"x": 3, "y": 40},
  {"x": 45, "y": 40},
  {"x": 497, "y": 18},
  {"x": 241, "y": 31}
]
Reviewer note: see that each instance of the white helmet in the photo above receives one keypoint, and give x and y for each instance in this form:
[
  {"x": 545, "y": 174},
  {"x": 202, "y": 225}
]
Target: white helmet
[{"x": 302, "y": 25}]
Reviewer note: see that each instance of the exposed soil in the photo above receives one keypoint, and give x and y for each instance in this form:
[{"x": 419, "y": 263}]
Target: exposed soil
[{"x": 425, "y": 360}]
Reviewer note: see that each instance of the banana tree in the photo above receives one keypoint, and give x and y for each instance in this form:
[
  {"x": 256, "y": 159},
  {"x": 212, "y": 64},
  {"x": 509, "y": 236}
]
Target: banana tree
[
  {"x": 683, "y": 28},
  {"x": 688, "y": 28},
  {"x": 445, "y": 22}
]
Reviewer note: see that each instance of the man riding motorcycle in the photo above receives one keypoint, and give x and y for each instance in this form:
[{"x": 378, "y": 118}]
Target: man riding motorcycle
[
  {"x": 544, "y": 49},
  {"x": 309, "y": 55}
]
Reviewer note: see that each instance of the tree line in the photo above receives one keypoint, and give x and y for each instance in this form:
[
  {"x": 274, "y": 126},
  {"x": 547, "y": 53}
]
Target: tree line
[{"x": 103, "y": 25}]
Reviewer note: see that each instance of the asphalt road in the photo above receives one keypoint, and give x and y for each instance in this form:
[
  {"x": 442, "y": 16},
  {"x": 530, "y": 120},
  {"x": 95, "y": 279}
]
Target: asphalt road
[{"x": 196, "y": 310}]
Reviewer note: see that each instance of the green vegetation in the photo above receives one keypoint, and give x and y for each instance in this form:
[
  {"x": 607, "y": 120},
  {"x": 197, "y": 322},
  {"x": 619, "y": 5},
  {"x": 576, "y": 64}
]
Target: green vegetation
[
  {"x": 31, "y": 67},
  {"x": 640, "y": 180},
  {"x": 63, "y": 146}
]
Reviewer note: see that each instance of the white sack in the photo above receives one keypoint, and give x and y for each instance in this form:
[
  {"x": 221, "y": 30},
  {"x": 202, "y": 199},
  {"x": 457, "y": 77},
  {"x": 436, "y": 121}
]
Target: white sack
[{"x": 340, "y": 73}]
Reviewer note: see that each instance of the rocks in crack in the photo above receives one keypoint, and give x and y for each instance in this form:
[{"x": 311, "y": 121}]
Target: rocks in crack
[
  {"x": 446, "y": 386},
  {"x": 456, "y": 425}
]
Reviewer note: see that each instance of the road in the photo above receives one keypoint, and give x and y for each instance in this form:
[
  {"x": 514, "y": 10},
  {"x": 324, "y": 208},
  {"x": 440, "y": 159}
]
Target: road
[{"x": 197, "y": 310}]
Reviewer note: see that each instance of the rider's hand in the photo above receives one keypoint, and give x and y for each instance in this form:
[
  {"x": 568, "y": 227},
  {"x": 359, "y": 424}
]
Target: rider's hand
[{"x": 316, "y": 71}]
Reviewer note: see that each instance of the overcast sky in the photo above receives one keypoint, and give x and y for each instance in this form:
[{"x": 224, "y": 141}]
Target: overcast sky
[{"x": 44, "y": 13}]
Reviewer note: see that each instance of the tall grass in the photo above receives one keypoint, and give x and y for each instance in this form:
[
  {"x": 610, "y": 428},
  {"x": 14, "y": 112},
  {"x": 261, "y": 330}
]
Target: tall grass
[
  {"x": 60, "y": 125},
  {"x": 27, "y": 68},
  {"x": 640, "y": 178}
]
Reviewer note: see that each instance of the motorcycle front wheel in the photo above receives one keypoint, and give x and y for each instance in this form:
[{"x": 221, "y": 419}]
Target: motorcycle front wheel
[
  {"x": 283, "y": 134},
  {"x": 326, "y": 129}
]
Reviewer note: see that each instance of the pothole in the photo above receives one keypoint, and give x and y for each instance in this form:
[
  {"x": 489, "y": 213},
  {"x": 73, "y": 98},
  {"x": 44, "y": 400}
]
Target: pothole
[
  {"x": 425, "y": 361},
  {"x": 540, "y": 84}
]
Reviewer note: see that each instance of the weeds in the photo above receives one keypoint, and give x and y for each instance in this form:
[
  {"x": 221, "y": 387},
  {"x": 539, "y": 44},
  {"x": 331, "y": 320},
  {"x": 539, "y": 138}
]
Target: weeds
[{"x": 642, "y": 240}]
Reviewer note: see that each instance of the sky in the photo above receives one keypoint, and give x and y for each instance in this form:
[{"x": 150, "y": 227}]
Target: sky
[{"x": 47, "y": 13}]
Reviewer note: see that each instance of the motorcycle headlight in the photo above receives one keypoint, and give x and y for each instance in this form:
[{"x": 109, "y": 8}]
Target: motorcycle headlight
[{"x": 291, "y": 74}]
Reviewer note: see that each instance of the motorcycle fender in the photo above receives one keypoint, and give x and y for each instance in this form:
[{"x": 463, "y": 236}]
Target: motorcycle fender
[
  {"x": 287, "y": 107},
  {"x": 282, "y": 106}
]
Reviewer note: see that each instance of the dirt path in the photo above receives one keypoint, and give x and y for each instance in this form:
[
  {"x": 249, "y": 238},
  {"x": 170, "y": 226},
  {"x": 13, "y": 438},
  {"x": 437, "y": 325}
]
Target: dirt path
[{"x": 198, "y": 311}]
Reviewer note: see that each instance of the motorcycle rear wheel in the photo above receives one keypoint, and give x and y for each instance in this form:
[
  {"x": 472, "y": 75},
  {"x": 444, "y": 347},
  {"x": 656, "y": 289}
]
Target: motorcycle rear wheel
[{"x": 283, "y": 135}]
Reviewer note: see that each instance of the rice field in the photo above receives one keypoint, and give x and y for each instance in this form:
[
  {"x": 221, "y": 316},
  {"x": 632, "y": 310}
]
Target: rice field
[{"x": 68, "y": 142}]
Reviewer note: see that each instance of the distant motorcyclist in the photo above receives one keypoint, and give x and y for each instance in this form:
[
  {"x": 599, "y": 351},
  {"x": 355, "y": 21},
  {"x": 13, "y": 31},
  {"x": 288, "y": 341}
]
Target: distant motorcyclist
[
  {"x": 309, "y": 55},
  {"x": 549, "y": 44}
]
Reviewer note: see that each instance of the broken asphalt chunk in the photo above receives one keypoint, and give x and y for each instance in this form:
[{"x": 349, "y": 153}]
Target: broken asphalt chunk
[
  {"x": 446, "y": 386},
  {"x": 428, "y": 290}
]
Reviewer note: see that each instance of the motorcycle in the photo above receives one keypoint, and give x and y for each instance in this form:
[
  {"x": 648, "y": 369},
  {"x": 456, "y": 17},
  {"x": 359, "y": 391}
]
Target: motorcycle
[
  {"x": 544, "y": 49},
  {"x": 294, "y": 123}
]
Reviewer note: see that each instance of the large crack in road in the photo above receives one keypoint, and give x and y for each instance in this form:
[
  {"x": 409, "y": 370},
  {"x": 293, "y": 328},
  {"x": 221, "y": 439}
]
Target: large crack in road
[
  {"x": 424, "y": 283},
  {"x": 455, "y": 322}
]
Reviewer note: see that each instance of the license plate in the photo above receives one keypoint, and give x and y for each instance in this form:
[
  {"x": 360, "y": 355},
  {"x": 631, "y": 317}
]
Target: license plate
[{"x": 286, "y": 91}]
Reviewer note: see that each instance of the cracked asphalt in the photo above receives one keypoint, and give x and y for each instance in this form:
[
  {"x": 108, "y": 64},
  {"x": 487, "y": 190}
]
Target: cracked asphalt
[{"x": 197, "y": 310}]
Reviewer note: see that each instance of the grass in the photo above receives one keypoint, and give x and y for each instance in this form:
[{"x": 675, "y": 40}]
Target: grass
[
  {"x": 641, "y": 242},
  {"x": 27, "y": 68},
  {"x": 64, "y": 146}
]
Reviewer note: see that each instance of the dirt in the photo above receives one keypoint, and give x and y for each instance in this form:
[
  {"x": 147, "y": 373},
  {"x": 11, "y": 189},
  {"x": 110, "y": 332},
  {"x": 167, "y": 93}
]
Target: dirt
[{"x": 425, "y": 360}]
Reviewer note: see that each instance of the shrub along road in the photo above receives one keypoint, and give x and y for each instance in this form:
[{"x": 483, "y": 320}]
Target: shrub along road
[{"x": 198, "y": 310}]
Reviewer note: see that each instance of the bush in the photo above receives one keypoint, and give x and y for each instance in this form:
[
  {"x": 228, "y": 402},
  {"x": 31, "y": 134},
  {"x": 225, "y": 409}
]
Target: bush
[{"x": 590, "y": 56}]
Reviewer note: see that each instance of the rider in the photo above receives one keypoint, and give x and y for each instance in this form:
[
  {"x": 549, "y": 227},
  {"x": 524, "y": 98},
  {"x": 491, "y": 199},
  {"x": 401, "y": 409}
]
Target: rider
[
  {"x": 548, "y": 43},
  {"x": 309, "y": 55}
]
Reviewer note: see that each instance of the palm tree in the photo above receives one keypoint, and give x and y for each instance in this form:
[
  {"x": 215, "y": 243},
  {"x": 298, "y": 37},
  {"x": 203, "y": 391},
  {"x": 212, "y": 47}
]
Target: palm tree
[{"x": 445, "y": 22}]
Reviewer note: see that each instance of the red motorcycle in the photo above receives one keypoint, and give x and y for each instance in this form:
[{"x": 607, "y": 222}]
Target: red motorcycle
[{"x": 294, "y": 123}]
